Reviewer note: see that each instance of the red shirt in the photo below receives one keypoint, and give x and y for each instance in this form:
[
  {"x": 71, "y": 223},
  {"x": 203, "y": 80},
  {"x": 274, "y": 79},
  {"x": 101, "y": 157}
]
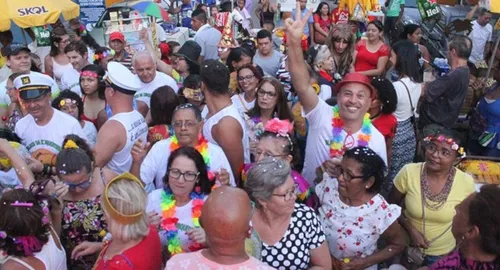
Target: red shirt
[
  {"x": 340, "y": 16},
  {"x": 386, "y": 124},
  {"x": 145, "y": 255},
  {"x": 366, "y": 60},
  {"x": 324, "y": 24}
]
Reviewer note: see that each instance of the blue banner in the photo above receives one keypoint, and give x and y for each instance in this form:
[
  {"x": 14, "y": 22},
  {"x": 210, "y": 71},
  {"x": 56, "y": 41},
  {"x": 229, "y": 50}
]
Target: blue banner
[{"x": 90, "y": 12}]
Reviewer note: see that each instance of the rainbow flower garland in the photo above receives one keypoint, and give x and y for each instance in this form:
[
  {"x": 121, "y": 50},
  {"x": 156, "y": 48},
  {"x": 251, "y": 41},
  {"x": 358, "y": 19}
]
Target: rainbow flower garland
[
  {"x": 337, "y": 144},
  {"x": 169, "y": 221},
  {"x": 201, "y": 147}
]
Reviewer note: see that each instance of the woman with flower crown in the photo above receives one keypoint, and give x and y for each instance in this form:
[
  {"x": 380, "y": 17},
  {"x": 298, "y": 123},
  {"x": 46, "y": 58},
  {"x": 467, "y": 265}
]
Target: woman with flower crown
[
  {"x": 430, "y": 191},
  {"x": 277, "y": 141},
  {"x": 187, "y": 123},
  {"x": 271, "y": 103},
  {"x": 176, "y": 208}
]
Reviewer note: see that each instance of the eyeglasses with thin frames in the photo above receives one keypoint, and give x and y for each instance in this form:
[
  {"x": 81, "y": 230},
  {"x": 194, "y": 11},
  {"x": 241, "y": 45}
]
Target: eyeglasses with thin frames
[{"x": 288, "y": 195}]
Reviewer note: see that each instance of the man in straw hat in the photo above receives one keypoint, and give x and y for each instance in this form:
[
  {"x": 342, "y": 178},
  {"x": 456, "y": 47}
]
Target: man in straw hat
[
  {"x": 126, "y": 126},
  {"x": 332, "y": 130},
  {"x": 42, "y": 131}
]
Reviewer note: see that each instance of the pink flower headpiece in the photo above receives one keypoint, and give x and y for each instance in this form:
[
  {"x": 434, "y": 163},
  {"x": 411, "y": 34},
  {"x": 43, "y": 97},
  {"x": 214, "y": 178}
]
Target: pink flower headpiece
[
  {"x": 450, "y": 141},
  {"x": 282, "y": 128},
  {"x": 88, "y": 73}
]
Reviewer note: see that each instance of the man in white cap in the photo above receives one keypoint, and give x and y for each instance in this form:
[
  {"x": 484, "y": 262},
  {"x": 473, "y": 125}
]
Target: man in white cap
[
  {"x": 126, "y": 126},
  {"x": 42, "y": 131},
  {"x": 19, "y": 61},
  {"x": 150, "y": 80}
]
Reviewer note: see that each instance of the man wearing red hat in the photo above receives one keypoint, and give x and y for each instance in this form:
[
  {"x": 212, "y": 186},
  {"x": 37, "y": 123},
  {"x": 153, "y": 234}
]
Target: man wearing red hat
[
  {"x": 117, "y": 42},
  {"x": 332, "y": 130}
]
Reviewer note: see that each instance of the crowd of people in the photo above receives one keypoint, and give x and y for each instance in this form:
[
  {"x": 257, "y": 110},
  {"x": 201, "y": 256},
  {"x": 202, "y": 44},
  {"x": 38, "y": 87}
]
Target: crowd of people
[{"x": 314, "y": 146}]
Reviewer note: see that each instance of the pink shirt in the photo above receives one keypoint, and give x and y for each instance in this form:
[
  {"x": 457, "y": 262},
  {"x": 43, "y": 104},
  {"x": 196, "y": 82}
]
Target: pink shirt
[{"x": 196, "y": 260}]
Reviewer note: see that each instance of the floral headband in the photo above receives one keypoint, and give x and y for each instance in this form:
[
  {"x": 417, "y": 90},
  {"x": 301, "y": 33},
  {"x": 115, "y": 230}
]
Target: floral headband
[
  {"x": 450, "y": 141},
  {"x": 282, "y": 128},
  {"x": 88, "y": 73},
  {"x": 66, "y": 101},
  {"x": 100, "y": 56}
]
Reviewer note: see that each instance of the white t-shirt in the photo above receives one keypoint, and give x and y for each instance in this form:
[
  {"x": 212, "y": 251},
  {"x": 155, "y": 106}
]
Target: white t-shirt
[
  {"x": 320, "y": 131},
  {"x": 45, "y": 142},
  {"x": 479, "y": 36},
  {"x": 70, "y": 80},
  {"x": 183, "y": 213},
  {"x": 91, "y": 133},
  {"x": 154, "y": 166},
  {"x": 147, "y": 89},
  {"x": 241, "y": 103},
  {"x": 403, "y": 108},
  {"x": 325, "y": 92}
]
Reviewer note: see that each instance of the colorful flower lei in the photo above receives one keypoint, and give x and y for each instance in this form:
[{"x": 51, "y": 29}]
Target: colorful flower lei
[
  {"x": 337, "y": 147},
  {"x": 99, "y": 56},
  {"x": 169, "y": 221},
  {"x": 201, "y": 147}
]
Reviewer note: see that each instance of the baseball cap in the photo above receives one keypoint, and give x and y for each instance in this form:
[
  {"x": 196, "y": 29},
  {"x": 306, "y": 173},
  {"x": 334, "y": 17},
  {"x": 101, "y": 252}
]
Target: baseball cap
[
  {"x": 117, "y": 36},
  {"x": 15, "y": 48}
]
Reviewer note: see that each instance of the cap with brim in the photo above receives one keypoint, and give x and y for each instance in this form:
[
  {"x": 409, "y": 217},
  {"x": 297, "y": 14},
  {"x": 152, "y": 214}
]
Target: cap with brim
[
  {"x": 33, "y": 92},
  {"x": 121, "y": 79},
  {"x": 15, "y": 48},
  {"x": 355, "y": 77}
]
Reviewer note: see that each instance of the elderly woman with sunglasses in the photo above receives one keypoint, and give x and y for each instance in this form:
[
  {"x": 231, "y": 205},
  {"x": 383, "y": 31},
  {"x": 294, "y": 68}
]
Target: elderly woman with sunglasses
[
  {"x": 291, "y": 233},
  {"x": 176, "y": 208},
  {"x": 430, "y": 192},
  {"x": 82, "y": 185},
  {"x": 187, "y": 122},
  {"x": 355, "y": 215}
]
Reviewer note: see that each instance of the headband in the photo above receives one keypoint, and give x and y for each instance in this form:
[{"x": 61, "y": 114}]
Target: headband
[
  {"x": 282, "y": 128},
  {"x": 450, "y": 141},
  {"x": 100, "y": 56},
  {"x": 65, "y": 101},
  {"x": 89, "y": 73},
  {"x": 115, "y": 214}
]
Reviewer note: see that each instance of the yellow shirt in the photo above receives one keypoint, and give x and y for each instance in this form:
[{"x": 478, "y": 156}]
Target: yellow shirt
[{"x": 436, "y": 222}]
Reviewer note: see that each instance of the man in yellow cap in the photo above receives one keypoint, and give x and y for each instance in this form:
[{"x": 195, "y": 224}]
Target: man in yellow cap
[
  {"x": 126, "y": 126},
  {"x": 42, "y": 131}
]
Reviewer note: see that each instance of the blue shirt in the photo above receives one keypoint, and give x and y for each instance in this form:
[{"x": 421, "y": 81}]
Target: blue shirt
[
  {"x": 309, "y": 22},
  {"x": 185, "y": 14}
]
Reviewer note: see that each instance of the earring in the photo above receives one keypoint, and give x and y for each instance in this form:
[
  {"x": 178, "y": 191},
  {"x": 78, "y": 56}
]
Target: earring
[{"x": 366, "y": 187}]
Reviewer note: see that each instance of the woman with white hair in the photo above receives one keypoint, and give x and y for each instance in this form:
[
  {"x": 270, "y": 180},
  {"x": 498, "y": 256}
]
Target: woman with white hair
[
  {"x": 291, "y": 234},
  {"x": 321, "y": 61},
  {"x": 135, "y": 244}
]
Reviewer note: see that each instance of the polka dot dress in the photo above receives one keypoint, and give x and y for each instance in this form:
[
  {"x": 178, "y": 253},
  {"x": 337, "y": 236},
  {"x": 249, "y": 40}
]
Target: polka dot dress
[{"x": 293, "y": 250}]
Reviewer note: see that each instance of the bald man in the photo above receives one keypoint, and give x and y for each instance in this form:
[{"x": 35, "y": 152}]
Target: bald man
[
  {"x": 145, "y": 69},
  {"x": 225, "y": 217}
]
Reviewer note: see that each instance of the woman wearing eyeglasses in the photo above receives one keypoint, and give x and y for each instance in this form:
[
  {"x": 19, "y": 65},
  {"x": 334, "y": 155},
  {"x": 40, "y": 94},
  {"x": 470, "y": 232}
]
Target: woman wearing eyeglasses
[
  {"x": 176, "y": 208},
  {"x": 187, "y": 123},
  {"x": 355, "y": 215},
  {"x": 430, "y": 191},
  {"x": 82, "y": 215},
  {"x": 249, "y": 77},
  {"x": 271, "y": 103},
  {"x": 291, "y": 233}
]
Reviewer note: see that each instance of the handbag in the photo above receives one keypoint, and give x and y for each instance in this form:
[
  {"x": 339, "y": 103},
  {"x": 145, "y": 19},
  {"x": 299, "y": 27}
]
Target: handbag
[{"x": 415, "y": 255}]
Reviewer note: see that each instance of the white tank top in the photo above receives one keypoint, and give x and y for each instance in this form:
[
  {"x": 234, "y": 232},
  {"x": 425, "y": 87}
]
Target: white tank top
[
  {"x": 230, "y": 111},
  {"x": 51, "y": 256},
  {"x": 136, "y": 128},
  {"x": 59, "y": 70}
]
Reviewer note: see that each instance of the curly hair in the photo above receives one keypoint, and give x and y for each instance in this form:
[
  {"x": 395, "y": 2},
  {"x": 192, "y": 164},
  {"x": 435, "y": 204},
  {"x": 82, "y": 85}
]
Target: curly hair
[
  {"x": 372, "y": 165},
  {"x": 483, "y": 213},
  {"x": 22, "y": 223},
  {"x": 386, "y": 94}
]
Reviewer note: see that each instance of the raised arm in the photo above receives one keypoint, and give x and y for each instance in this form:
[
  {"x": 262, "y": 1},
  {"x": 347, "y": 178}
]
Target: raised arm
[
  {"x": 22, "y": 170},
  {"x": 296, "y": 63}
]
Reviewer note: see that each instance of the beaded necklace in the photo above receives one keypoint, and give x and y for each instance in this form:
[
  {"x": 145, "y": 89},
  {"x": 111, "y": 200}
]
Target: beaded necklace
[
  {"x": 169, "y": 221},
  {"x": 337, "y": 144}
]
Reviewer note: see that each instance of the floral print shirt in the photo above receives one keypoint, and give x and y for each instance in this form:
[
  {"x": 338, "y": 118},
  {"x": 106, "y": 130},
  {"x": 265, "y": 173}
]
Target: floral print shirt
[
  {"x": 82, "y": 221},
  {"x": 353, "y": 231}
]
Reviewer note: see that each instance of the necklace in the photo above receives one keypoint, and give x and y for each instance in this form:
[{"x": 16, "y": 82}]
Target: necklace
[
  {"x": 201, "y": 147},
  {"x": 338, "y": 145},
  {"x": 436, "y": 201},
  {"x": 169, "y": 221}
]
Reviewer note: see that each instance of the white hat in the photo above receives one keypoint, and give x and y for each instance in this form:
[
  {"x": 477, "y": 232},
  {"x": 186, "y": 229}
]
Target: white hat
[
  {"x": 122, "y": 79},
  {"x": 33, "y": 85}
]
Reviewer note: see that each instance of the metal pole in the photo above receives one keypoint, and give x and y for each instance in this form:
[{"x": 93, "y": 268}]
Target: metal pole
[{"x": 492, "y": 59}]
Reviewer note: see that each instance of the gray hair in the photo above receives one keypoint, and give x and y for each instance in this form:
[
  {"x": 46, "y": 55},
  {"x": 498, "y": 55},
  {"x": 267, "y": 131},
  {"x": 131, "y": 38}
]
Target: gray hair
[
  {"x": 264, "y": 177},
  {"x": 462, "y": 46},
  {"x": 142, "y": 55}
]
